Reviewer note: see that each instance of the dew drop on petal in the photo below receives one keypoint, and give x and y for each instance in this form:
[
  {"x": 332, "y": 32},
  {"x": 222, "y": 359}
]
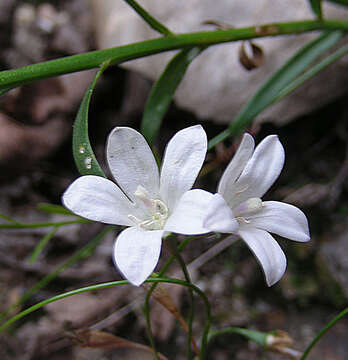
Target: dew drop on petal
[{"x": 82, "y": 150}]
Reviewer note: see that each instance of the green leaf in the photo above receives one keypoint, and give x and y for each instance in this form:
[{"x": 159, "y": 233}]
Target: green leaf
[
  {"x": 269, "y": 91},
  {"x": 340, "y": 2},
  {"x": 40, "y": 246},
  {"x": 84, "y": 157},
  {"x": 86, "y": 251},
  {"x": 55, "y": 209},
  {"x": 4, "y": 90},
  {"x": 163, "y": 90},
  {"x": 313, "y": 71},
  {"x": 323, "y": 331},
  {"x": 316, "y": 7},
  {"x": 152, "y": 22},
  {"x": 258, "y": 337}
]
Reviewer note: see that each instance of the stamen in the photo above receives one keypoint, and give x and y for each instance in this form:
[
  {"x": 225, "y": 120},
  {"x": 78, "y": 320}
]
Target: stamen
[{"x": 158, "y": 211}]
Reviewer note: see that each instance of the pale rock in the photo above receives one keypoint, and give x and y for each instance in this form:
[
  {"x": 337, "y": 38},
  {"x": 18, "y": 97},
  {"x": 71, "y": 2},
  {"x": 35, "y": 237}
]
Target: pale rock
[{"x": 216, "y": 86}]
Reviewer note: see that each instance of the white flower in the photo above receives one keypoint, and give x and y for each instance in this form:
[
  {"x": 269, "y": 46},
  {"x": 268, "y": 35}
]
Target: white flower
[
  {"x": 238, "y": 208},
  {"x": 148, "y": 202}
]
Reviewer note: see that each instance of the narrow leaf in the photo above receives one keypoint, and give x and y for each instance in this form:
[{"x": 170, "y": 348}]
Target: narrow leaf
[
  {"x": 163, "y": 90},
  {"x": 270, "y": 90},
  {"x": 313, "y": 71},
  {"x": 152, "y": 22},
  {"x": 86, "y": 251},
  {"x": 84, "y": 157},
  {"x": 258, "y": 337},
  {"x": 316, "y": 7},
  {"x": 55, "y": 209},
  {"x": 40, "y": 246},
  {"x": 340, "y": 2},
  {"x": 4, "y": 90},
  {"x": 97, "y": 339}
]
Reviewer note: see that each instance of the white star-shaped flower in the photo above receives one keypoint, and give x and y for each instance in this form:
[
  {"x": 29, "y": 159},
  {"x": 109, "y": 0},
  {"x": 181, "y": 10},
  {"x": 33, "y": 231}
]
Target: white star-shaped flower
[
  {"x": 237, "y": 207},
  {"x": 149, "y": 202}
]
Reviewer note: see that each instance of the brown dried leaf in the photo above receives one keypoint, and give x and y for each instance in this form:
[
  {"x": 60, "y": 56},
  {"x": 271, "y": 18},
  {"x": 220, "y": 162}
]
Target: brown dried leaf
[
  {"x": 254, "y": 61},
  {"x": 161, "y": 295},
  {"x": 102, "y": 340}
]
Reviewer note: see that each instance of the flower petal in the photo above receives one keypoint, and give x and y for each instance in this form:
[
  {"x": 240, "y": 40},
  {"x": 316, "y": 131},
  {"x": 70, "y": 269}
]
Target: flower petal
[
  {"x": 267, "y": 251},
  {"x": 183, "y": 159},
  {"x": 219, "y": 216},
  {"x": 236, "y": 166},
  {"x": 189, "y": 213},
  {"x": 131, "y": 162},
  {"x": 98, "y": 199},
  {"x": 260, "y": 172},
  {"x": 282, "y": 219},
  {"x": 136, "y": 253}
]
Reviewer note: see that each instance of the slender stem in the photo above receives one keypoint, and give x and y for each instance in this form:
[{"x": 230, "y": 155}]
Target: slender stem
[
  {"x": 152, "y": 22},
  {"x": 82, "y": 253},
  {"x": 117, "y": 55},
  {"x": 42, "y": 225},
  {"x": 100, "y": 287},
  {"x": 175, "y": 252},
  {"x": 153, "y": 287},
  {"x": 323, "y": 331}
]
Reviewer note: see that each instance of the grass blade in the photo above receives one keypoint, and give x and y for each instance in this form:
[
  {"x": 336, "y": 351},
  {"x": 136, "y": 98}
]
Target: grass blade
[
  {"x": 152, "y": 22},
  {"x": 323, "y": 331},
  {"x": 316, "y": 7},
  {"x": 55, "y": 209},
  {"x": 163, "y": 90},
  {"x": 270, "y": 90},
  {"x": 42, "y": 243},
  {"x": 82, "y": 253}
]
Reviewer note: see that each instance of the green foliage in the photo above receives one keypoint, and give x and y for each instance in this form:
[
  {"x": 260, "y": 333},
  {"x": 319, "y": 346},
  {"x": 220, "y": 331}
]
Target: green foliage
[
  {"x": 283, "y": 81},
  {"x": 316, "y": 7},
  {"x": 163, "y": 91},
  {"x": 84, "y": 157},
  {"x": 153, "y": 23}
]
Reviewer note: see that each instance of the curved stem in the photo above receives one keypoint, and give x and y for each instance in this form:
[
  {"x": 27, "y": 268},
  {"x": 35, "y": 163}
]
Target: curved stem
[
  {"x": 323, "y": 331},
  {"x": 149, "y": 293},
  {"x": 98, "y": 287},
  {"x": 175, "y": 252},
  {"x": 12, "y": 78},
  {"x": 42, "y": 225}
]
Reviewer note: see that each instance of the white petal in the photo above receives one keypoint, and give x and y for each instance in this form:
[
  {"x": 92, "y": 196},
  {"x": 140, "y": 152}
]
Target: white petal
[
  {"x": 236, "y": 165},
  {"x": 267, "y": 251},
  {"x": 260, "y": 172},
  {"x": 282, "y": 219},
  {"x": 183, "y": 159},
  {"x": 136, "y": 253},
  {"x": 219, "y": 216},
  {"x": 98, "y": 199},
  {"x": 131, "y": 162},
  {"x": 189, "y": 213}
]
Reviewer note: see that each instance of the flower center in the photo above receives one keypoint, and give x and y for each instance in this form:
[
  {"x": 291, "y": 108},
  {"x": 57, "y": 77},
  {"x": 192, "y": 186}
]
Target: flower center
[
  {"x": 246, "y": 208},
  {"x": 157, "y": 209}
]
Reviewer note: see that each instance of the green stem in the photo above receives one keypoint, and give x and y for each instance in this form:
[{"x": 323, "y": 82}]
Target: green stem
[
  {"x": 85, "y": 251},
  {"x": 175, "y": 252},
  {"x": 152, "y": 22},
  {"x": 117, "y": 55},
  {"x": 98, "y": 287},
  {"x": 153, "y": 287},
  {"x": 323, "y": 331},
  {"x": 42, "y": 225}
]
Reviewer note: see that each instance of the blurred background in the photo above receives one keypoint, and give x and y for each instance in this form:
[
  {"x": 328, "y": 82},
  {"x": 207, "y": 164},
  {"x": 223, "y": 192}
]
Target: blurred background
[{"x": 36, "y": 166}]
